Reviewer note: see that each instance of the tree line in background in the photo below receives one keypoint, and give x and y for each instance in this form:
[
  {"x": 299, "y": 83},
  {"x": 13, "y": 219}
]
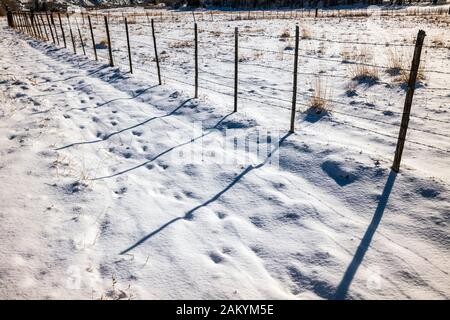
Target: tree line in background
[
  {"x": 42, "y": 5},
  {"x": 270, "y": 4}
]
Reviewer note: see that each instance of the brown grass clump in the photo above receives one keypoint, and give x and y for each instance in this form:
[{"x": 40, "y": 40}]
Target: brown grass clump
[
  {"x": 395, "y": 63},
  {"x": 103, "y": 44},
  {"x": 399, "y": 66},
  {"x": 438, "y": 40},
  {"x": 305, "y": 33},
  {"x": 319, "y": 103},
  {"x": 286, "y": 34},
  {"x": 346, "y": 54},
  {"x": 363, "y": 70},
  {"x": 180, "y": 44},
  {"x": 364, "y": 73}
]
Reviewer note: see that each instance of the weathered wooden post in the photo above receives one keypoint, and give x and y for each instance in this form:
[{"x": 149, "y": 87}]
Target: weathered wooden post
[
  {"x": 62, "y": 30},
  {"x": 71, "y": 34},
  {"x": 196, "y": 59},
  {"x": 50, "y": 27},
  {"x": 26, "y": 18},
  {"x": 111, "y": 62},
  {"x": 33, "y": 26},
  {"x": 38, "y": 25},
  {"x": 408, "y": 101},
  {"x": 22, "y": 22},
  {"x": 10, "y": 18},
  {"x": 294, "y": 89},
  {"x": 52, "y": 20},
  {"x": 128, "y": 44},
  {"x": 236, "y": 61},
  {"x": 81, "y": 37},
  {"x": 156, "y": 53},
  {"x": 92, "y": 37},
  {"x": 45, "y": 28}
]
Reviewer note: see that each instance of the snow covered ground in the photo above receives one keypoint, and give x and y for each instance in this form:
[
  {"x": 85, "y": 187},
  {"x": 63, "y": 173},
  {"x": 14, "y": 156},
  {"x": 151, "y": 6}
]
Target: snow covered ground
[{"x": 101, "y": 197}]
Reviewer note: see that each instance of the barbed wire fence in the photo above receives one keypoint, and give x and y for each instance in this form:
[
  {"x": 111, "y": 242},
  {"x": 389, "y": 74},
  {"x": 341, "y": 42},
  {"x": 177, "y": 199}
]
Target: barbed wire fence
[{"x": 88, "y": 33}]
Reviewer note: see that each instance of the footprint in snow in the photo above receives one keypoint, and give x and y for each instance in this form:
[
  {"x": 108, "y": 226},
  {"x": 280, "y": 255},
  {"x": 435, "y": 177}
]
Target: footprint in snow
[
  {"x": 221, "y": 215},
  {"x": 162, "y": 165},
  {"x": 257, "y": 221},
  {"x": 216, "y": 258},
  {"x": 127, "y": 155},
  {"x": 428, "y": 192},
  {"x": 122, "y": 190}
]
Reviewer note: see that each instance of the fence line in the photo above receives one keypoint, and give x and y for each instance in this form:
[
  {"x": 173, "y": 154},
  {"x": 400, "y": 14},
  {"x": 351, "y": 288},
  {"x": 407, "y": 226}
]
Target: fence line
[{"x": 39, "y": 31}]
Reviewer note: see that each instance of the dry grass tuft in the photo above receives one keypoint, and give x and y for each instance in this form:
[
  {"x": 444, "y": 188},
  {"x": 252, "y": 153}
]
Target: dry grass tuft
[
  {"x": 319, "y": 103},
  {"x": 396, "y": 62},
  {"x": 286, "y": 34},
  {"x": 364, "y": 73},
  {"x": 362, "y": 70},
  {"x": 305, "y": 33},
  {"x": 103, "y": 44},
  {"x": 438, "y": 40},
  {"x": 399, "y": 66},
  {"x": 346, "y": 54},
  {"x": 181, "y": 44}
]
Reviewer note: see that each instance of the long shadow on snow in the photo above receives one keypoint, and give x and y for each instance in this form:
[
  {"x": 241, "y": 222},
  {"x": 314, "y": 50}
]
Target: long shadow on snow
[
  {"x": 165, "y": 151},
  {"x": 344, "y": 285},
  {"x": 190, "y": 214},
  {"x": 128, "y": 128},
  {"x": 110, "y": 74}
]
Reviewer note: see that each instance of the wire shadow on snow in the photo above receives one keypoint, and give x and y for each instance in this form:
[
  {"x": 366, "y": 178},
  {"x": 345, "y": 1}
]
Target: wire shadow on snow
[
  {"x": 110, "y": 74},
  {"x": 90, "y": 73},
  {"x": 106, "y": 137},
  {"x": 189, "y": 215},
  {"x": 134, "y": 95},
  {"x": 165, "y": 151},
  {"x": 344, "y": 285}
]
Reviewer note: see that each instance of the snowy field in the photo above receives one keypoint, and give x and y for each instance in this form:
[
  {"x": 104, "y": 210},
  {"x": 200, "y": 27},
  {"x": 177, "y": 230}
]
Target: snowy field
[{"x": 101, "y": 200}]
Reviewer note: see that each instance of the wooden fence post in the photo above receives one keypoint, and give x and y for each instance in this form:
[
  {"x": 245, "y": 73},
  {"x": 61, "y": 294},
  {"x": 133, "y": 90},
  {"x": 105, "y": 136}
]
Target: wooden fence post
[
  {"x": 62, "y": 30},
  {"x": 111, "y": 62},
  {"x": 156, "y": 53},
  {"x": 23, "y": 22},
  {"x": 52, "y": 20},
  {"x": 92, "y": 37},
  {"x": 45, "y": 28},
  {"x": 50, "y": 27},
  {"x": 81, "y": 37},
  {"x": 71, "y": 34},
  {"x": 196, "y": 59},
  {"x": 236, "y": 60},
  {"x": 28, "y": 22},
  {"x": 18, "y": 22},
  {"x": 294, "y": 89},
  {"x": 39, "y": 26},
  {"x": 408, "y": 100},
  {"x": 10, "y": 19},
  {"x": 33, "y": 25},
  {"x": 128, "y": 44}
]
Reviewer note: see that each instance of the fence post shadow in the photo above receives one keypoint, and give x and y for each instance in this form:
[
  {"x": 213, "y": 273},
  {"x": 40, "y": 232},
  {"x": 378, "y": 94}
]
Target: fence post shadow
[
  {"x": 190, "y": 214},
  {"x": 346, "y": 281}
]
